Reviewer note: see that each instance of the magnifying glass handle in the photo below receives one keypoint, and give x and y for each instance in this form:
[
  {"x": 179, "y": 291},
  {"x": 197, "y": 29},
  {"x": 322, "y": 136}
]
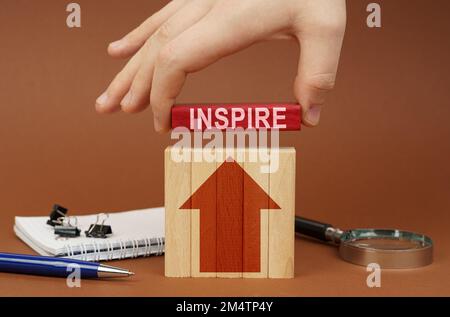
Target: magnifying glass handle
[{"x": 312, "y": 228}]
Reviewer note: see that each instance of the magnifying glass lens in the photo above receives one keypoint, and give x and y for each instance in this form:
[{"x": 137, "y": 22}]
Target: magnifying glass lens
[
  {"x": 386, "y": 239},
  {"x": 386, "y": 244},
  {"x": 389, "y": 248}
]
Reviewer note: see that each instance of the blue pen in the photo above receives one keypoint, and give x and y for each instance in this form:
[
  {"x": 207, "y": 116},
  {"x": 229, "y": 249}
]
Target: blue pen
[{"x": 58, "y": 267}]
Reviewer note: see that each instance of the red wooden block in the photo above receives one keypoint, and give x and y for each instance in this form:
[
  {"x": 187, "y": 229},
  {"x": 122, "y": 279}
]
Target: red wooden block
[{"x": 283, "y": 116}]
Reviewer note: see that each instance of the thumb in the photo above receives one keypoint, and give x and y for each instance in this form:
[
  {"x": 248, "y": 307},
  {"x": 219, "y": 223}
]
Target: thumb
[{"x": 318, "y": 63}]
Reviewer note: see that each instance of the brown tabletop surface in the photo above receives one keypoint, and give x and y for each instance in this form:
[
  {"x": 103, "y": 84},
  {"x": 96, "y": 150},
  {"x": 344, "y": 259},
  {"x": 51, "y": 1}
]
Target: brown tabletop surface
[
  {"x": 380, "y": 157},
  {"x": 318, "y": 272}
]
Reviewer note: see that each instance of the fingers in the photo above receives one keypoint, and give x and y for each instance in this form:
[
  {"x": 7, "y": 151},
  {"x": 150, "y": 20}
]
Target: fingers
[
  {"x": 320, "y": 51},
  {"x": 218, "y": 34},
  {"x": 109, "y": 101},
  {"x": 138, "y": 96},
  {"x": 134, "y": 40},
  {"x": 188, "y": 35}
]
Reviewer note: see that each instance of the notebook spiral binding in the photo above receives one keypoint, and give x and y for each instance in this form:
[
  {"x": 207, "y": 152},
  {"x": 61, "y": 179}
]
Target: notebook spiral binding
[{"x": 118, "y": 249}]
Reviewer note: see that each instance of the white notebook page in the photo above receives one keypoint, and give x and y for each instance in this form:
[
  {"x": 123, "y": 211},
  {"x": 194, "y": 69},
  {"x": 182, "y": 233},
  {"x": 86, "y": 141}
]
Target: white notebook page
[{"x": 135, "y": 233}]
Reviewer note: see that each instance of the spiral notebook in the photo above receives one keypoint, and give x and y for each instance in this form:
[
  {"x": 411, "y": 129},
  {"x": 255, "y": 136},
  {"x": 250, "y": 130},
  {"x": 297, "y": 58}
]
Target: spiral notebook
[{"x": 135, "y": 233}]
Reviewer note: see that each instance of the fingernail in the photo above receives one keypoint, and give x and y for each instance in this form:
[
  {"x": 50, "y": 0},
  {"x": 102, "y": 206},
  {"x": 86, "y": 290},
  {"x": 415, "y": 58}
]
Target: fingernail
[
  {"x": 313, "y": 115},
  {"x": 116, "y": 44},
  {"x": 102, "y": 99},
  {"x": 127, "y": 99}
]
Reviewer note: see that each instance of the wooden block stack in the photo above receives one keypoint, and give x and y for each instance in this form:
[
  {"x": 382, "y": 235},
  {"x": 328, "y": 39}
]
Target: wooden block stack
[{"x": 228, "y": 219}]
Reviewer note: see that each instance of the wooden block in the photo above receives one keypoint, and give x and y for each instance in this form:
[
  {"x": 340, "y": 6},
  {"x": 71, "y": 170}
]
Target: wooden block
[
  {"x": 203, "y": 219},
  {"x": 255, "y": 251},
  {"x": 281, "y": 223},
  {"x": 229, "y": 217},
  {"x": 178, "y": 222},
  {"x": 283, "y": 116}
]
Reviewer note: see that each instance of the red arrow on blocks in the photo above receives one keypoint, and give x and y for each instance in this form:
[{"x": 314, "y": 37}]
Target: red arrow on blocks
[{"x": 230, "y": 202}]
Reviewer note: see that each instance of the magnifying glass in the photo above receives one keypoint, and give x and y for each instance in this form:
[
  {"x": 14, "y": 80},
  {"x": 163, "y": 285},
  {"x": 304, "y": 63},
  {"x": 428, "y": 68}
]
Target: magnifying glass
[{"x": 389, "y": 248}]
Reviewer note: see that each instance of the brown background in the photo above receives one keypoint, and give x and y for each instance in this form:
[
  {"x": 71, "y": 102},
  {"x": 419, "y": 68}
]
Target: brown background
[{"x": 379, "y": 158}]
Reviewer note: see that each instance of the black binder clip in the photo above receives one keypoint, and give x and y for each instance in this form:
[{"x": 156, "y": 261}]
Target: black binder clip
[
  {"x": 67, "y": 230},
  {"x": 98, "y": 230},
  {"x": 57, "y": 213}
]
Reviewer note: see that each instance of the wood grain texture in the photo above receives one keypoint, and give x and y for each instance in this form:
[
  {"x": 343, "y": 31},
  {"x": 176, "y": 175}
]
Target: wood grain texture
[
  {"x": 229, "y": 218},
  {"x": 203, "y": 219},
  {"x": 289, "y": 115},
  {"x": 257, "y": 224},
  {"x": 240, "y": 221},
  {"x": 178, "y": 222},
  {"x": 281, "y": 223}
]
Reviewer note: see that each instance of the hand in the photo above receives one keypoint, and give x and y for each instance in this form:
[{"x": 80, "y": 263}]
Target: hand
[{"x": 188, "y": 35}]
